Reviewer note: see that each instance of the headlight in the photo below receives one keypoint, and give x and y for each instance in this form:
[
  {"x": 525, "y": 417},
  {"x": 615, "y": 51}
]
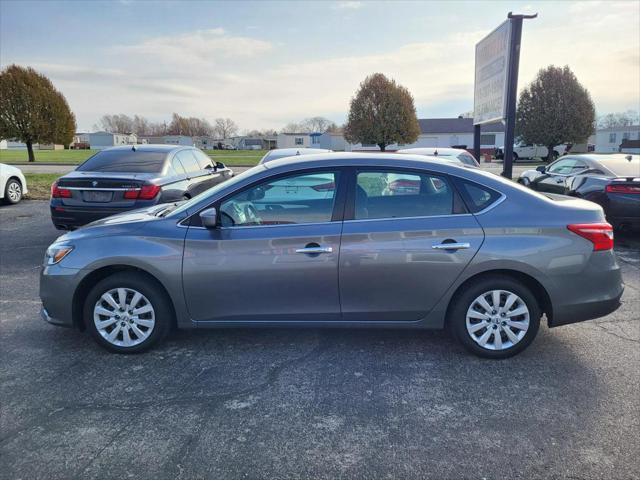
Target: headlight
[{"x": 56, "y": 252}]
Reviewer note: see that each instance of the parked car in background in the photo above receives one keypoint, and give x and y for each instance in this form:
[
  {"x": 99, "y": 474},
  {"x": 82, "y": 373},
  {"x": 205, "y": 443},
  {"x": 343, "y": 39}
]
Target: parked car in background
[
  {"x": 124, "y": 178},
  {"x": 610, "y": 180},
  {"x": 278, "y": 153},
  {"x": 453, "y": 154},
  {"x": 13, "y": 185},
  {"x": 530, "y": 152},
  {"x": 318, "y": 241}
]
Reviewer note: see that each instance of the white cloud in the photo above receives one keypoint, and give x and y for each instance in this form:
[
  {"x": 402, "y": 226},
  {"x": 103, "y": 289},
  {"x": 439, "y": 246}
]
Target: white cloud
[
  {"x": 201, "y": 46},
  {"x": 349, "y": 5}
]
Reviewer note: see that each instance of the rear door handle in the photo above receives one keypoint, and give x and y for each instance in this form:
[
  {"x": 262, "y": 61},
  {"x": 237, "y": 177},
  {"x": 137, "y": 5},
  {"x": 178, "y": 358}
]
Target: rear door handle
[
  {"x": 314, "y": 250},
  {"x": 451, "y": 246}
]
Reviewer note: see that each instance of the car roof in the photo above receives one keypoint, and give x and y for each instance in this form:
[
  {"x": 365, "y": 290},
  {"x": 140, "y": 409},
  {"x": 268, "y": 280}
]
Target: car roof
[
  {"x": 432, "y": 151},
  {"x": 149, "y": 147},
  {"x": 337, "y": 159}
]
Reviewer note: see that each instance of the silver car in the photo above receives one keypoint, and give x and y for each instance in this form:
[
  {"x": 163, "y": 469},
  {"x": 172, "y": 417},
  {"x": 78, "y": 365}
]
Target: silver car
[
  {"x": 340, "y": 240},
  {"x": 278, "y": 153}
]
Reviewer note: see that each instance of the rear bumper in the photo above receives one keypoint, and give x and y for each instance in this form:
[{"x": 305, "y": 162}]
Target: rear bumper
[
  {"x": 68, "y": 218},
  {"x": 589, "y": 293},
  {"x": 585, "y": 311}
]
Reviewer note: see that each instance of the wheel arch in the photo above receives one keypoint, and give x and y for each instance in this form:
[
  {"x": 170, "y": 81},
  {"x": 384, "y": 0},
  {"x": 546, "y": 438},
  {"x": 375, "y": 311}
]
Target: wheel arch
[
  {"x": 99, "y": 274},
  {"x": 538, "y": 290}
]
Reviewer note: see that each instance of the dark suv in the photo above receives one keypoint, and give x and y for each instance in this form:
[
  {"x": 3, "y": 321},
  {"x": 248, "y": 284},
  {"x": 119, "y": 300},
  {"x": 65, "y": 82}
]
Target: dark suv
[{"x": 125, "y": 178}]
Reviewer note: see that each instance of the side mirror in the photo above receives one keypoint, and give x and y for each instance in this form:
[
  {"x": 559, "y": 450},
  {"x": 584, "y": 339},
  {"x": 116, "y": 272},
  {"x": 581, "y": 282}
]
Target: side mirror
[
  {"x": 220, "y": 165},
  {"x": 209, "y": 218},
  {"x": 541, "y": 169}
]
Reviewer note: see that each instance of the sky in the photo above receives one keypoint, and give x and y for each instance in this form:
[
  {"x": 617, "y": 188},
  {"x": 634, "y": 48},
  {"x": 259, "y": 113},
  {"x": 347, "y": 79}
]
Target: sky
[{"x": 265, "y": 64}]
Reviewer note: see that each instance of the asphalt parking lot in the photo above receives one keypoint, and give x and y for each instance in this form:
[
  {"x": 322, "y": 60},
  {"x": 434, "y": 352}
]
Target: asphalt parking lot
[{"x": 282, "y": 403}]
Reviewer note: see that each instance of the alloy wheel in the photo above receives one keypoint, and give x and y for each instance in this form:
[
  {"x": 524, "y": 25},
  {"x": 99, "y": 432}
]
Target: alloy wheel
[
  {"x": 497, "y": 320},
  {"x": 124, "y": 317},
  {"x": 14, "y": 191}
]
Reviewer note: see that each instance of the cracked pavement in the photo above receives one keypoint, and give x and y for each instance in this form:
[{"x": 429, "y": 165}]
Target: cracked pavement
[{"x": 309, "y": 403}]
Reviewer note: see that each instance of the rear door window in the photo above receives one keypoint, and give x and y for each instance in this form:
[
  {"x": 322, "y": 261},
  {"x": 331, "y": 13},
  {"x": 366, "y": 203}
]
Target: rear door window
[
  {"x": 477, "y": 197},
  {"x": 394, "y": 194},
  {"x": 188, "y": 161}
]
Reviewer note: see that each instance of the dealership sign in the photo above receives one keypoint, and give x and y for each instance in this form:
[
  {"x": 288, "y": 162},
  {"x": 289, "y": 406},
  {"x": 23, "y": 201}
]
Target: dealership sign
[{"x": 492, "y": 69}]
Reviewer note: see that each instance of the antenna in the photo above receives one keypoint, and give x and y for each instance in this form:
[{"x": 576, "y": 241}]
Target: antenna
[{"x": 133, "y": 148}]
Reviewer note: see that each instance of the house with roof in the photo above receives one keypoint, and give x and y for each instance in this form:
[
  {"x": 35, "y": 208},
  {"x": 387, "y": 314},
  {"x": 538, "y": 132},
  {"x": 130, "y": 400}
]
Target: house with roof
[
  {"x": 447, "y": 132},
  {"x": 609, "y": 140},
  {"x": 101, "y": 140}
]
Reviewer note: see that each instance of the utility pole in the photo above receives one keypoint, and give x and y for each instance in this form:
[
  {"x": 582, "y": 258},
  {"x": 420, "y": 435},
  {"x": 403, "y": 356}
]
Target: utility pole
[{"x": 512, "y": 90}]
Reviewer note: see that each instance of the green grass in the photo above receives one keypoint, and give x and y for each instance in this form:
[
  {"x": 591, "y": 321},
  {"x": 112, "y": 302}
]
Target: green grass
[
  {"x": 75, "y": 157},
  {"x": 237, "y": 157},
  {"x": 46, "y": 156},
  {"x": 39, "y": 185}
]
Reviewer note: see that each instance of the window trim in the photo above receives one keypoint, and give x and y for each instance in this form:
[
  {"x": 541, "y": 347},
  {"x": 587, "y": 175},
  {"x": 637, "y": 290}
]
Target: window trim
[
  {"x": 337, "y": 215},
  {"x": 350, "y": 207},
  {"x": 464, "y": 196}
]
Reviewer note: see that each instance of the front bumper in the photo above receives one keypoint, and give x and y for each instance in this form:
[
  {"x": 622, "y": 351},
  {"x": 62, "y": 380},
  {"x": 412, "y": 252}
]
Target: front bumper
[{"x": 57, "y": 288}]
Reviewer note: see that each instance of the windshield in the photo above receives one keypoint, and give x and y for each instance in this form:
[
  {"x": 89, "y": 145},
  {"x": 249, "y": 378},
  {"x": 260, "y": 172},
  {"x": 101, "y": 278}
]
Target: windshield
[
  {"x": 126, "y": 161},
  {"x": 214, "y": 190}
]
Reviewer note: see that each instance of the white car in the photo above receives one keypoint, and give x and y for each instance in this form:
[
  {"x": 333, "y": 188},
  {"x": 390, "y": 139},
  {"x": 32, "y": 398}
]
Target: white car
[
  {"x": 278, "y": 153},
  {"x": 13, "y": 185},
  {"x": 452, "y": 154},
  {"x": 531, "y": 152}
]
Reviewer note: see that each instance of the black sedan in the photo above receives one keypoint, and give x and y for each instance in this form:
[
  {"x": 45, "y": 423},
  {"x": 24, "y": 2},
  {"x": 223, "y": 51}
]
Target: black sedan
[
  {"x": 125, "y": 178},
  {"x": 612, "y": 181}
]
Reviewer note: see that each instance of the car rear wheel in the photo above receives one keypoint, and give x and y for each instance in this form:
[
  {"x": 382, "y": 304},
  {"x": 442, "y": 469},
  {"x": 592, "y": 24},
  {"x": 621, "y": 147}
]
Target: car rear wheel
[
  {"x": 127, "y": 313},
  {"x": 13, "y": 191},
  {"x": 495, "y": 317}
]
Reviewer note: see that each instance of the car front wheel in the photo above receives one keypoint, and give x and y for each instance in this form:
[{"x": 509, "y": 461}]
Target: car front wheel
[
  {"x": 13, "y": 191},
  {"x": 127, "y": 313},
  {"x": 495, "y": 317}
]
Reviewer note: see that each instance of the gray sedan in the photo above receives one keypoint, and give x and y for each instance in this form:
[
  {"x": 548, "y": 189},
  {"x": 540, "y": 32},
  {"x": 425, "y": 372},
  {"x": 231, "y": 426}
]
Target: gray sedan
[{"x": 340, "y": 240}]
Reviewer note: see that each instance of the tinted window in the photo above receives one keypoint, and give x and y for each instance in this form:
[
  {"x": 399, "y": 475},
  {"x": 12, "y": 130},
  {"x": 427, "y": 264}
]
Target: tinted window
[
  {"x": 477, "y": 197},
  {"x": 203, "y": 159},
  {"x": 307, "y": 198},
  {"x": 391, "y": 194},
  {"x": 567, "y": 166},
  {"x": 467, "y": 159},
  {"x": 188, "y": 161},
  {"x": 177, "y": 166},
  {"x": 134, "y": 161}
]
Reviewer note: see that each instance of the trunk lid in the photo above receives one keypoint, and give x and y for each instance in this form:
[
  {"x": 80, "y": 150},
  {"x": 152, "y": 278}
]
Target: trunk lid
[{"x": 97, "y": 189}]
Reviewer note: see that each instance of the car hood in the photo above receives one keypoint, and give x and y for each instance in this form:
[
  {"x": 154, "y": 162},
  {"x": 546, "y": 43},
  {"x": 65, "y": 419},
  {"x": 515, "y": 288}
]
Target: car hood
[{"x": 123, "y": 223}]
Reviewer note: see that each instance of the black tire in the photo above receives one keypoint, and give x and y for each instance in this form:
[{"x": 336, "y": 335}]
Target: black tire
[
  {"x": 463, "y": 300},
  {"x": 150, "y": 289},
  {"x": 15, "y": 187}
]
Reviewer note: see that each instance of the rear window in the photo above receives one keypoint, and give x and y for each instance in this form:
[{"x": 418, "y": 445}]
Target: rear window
[
  {"x": 623, "y": 167},
  {"x": 477, "y": 197},
  {"x": 128, "y": 161}
]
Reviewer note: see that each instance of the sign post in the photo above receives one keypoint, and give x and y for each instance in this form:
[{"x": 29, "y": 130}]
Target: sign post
[{"x": 496, "y": 82}]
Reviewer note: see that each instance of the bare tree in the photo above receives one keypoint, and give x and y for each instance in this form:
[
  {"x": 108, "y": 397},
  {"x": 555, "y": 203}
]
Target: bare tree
[
  {"x": 619, "y": 119},
  {"x": 225, "y": 128},
  {"x": 190, "y": 126},
  {"x": 118, "y": 123}
]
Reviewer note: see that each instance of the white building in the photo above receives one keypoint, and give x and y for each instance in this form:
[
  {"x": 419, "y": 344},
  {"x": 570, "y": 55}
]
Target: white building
[
  {"x": 102, "y": 140},
  {"x": 293, "y": 140},
  {"x": 332, "y": 141},
  {"x": 171, "y": 140},
  {"x": 447, "y": 132},
  {"x": 17, "y": 145},
  {"x": 608, "y": 140}
]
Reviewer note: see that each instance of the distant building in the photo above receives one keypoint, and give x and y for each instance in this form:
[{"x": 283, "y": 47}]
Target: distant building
[
  {"x": 630, "y": 146},
  {"x": 332, "y": 141},
  {"x": 609, "y": 140},
  {"x": 440, "y": 132},
  {"x": 293, "y": 140},
  {"x": 102, "y": 140},
  {"x": 17, "y": 145},
  {"x": 170, "y": 140},
  {"x": 204, "y": 142},
  {"x": 256, "y": 143}
]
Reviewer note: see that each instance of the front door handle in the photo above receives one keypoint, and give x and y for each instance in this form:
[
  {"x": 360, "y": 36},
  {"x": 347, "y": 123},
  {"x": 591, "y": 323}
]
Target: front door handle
[
  {"x": 451, "y": 246},
  {"x": 314, "y": 250}
]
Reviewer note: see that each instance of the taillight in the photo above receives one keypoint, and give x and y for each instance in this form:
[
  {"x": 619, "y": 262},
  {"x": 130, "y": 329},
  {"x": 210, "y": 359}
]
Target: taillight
[
  {"x": 147, "y": 192},
  {"x": 57, "y": 192},
  {"x": 613, "y": 188},
  {"x": 600, "y": 234}
]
